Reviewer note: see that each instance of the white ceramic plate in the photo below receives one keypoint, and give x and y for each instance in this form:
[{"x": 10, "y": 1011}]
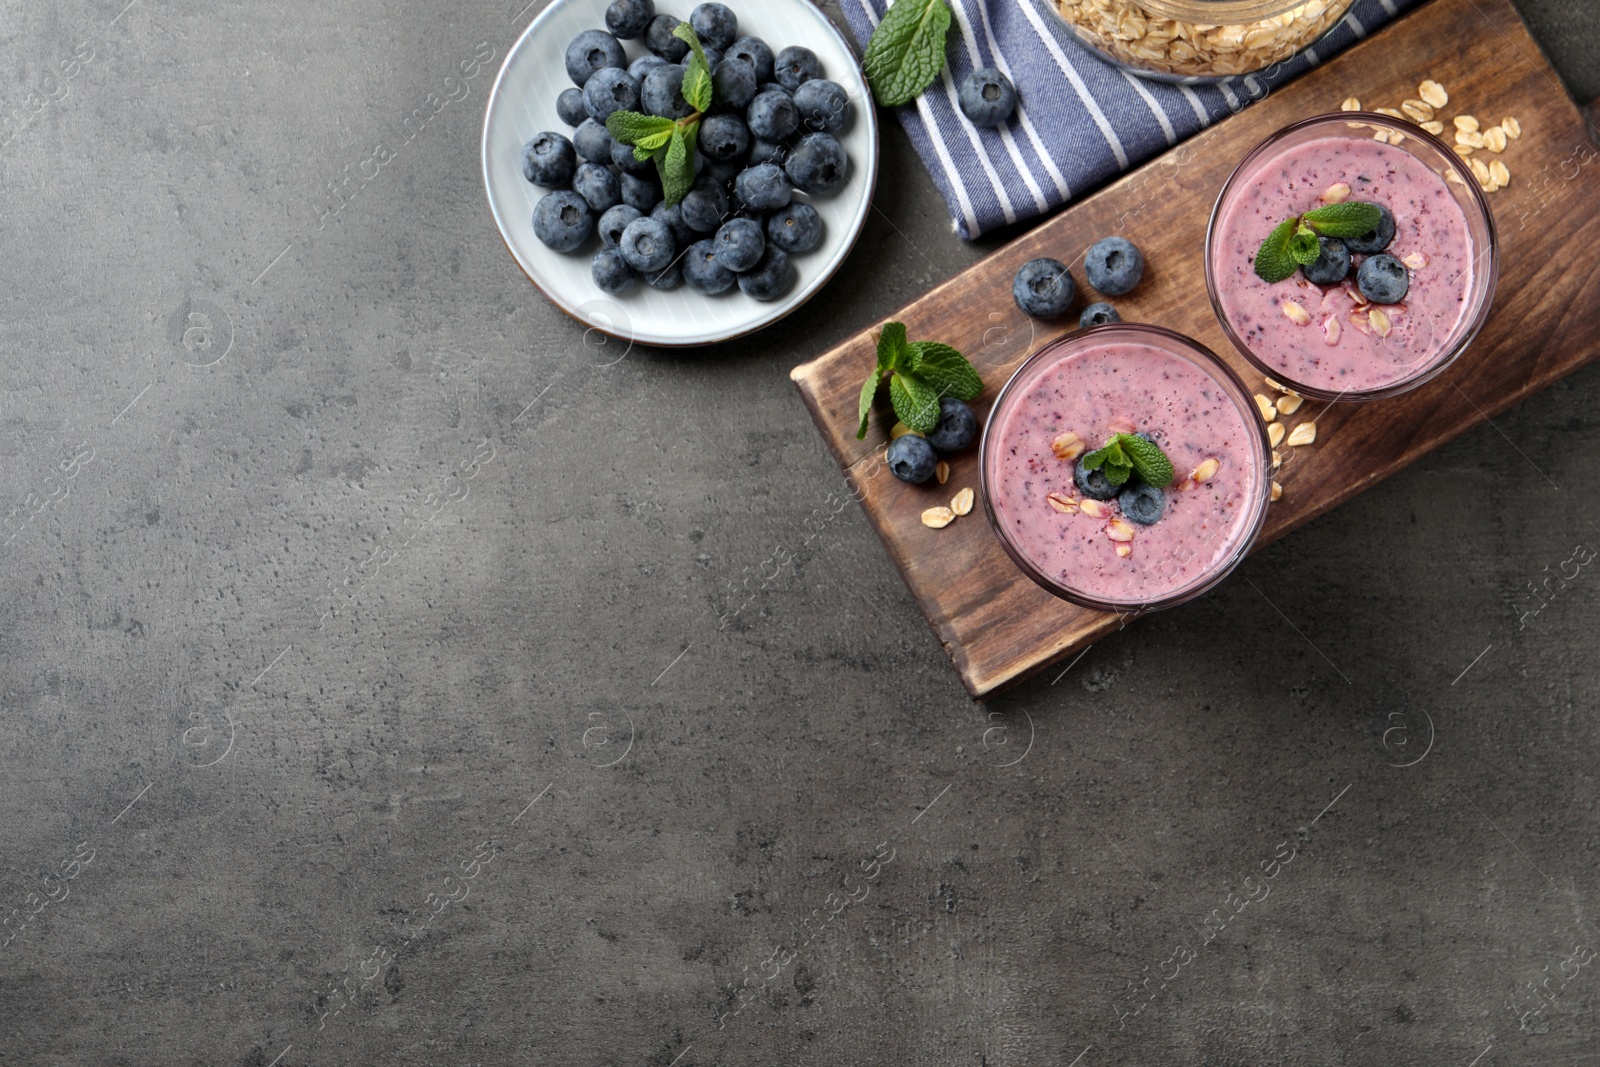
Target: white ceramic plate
[{"x": 523, "y": 104}]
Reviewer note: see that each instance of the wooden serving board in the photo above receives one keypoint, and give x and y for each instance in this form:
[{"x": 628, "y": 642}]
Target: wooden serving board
[{"x": 997, "y": 626}]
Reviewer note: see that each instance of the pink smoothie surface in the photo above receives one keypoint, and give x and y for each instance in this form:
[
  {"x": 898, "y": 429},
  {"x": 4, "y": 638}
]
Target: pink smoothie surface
[
  {"x": 1184, "y": 410},
  {"x": 1337, "y": 350}
]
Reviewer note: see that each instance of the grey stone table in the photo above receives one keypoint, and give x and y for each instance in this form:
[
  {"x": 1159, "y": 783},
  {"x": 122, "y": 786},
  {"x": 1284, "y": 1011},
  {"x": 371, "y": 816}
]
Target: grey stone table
[{"x": 515, "y": 794}]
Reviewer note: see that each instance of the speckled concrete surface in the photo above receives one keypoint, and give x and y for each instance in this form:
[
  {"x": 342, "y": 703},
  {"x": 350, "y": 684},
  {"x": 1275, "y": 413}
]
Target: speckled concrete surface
[{"x": 315, "y": 754}]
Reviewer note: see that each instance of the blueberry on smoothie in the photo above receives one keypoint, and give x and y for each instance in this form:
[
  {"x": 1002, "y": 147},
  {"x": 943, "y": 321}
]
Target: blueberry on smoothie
[
  {"x": 1383, "y": 279},
  {"x": 911, "y": 459},
  {"x": 1093, "y": 484},
  {"x": 956, "y": 428},
  {"x": 987, "y": 97},
  {"x": 1044, "y": 289},
  {"x": 1331, "y": 265},
  {"x": 1143, "y": 504},
  {"x": 1113, "y": 265},
  {"x": 1098, "y": 314},
  {"x": 1375, "y": 239}
]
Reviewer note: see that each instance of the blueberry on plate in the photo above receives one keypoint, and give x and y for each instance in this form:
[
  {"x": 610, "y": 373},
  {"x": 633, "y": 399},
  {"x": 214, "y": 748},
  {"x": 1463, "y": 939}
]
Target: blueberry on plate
[
  {"x": 667, "y": 279},
  {"x": 569, "y": 107},
  {"x": 609, "y": 91},
  {"x": 1044, "y": 289},
  {"x": 613, "y": 222},
  {"x": 549, "y": 160},
  {"x": 911, "y": 458},
  {"x": 1141, "y": 503},
  {"x": 987, "y": 97},
  {"x": 1383, "y": 279},
  {"x": 563, "y": 220},
  {"x": 770, "y": 278},
  {"x": 628, "y": 19},
  {"x": 640, "y": 192},
  {"x": 1331, "y": 265},
  {"x": 715, "y": 24},
  {"x": 704, "y": 207},
  {"x": 956, "y": 428},
  {"x": 673, "y": 217},
  {"x": 1093, "y": 484},
  {"x": 1375, "y": 239},
  {"x": 818, "y": 164},
  {"x": 767, "y": 152},
  {"x": 1113, "y": 265},
  {"x": 661, "y": 93},
  {"x": 611, "y": 272},
  {"x": 624, "y": 159},
  {"x": 644, "y": 65},
  {"x": 740, "y": 244},
  {"x": 722, "y": 171},
  {"x": 823, "y": 105},
  {"x": 1098, "y": 314},
  {"x": 659, "y": 38},
  {"x": 597, "y": 184},
  {"x": 754, "y": 51},
  {"x": 773, "y": 115},
  {"x": 763, "y": 187},
  {"x": 795, "y": 66},
  {"x": 733, "y": 85},
  {"x": 702, "y": 271},
  {"x": 796, "y": 228},
  {"x": 724, "y": 137},
  {"x": 591, "y": 51},
  {"x": 647, "y": 245},
  {"x": 593, "y": 142}
]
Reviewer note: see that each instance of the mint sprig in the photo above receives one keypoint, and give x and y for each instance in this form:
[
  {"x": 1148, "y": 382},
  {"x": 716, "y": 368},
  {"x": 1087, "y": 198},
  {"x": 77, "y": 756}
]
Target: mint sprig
[
  {"x": 1293, "y": 242},
  {"x": 671, "y": 142},
  {"x": 906, "y": 51},
  {"x": 1126, "y": 454},
  {"x": 920, "y": 374}
]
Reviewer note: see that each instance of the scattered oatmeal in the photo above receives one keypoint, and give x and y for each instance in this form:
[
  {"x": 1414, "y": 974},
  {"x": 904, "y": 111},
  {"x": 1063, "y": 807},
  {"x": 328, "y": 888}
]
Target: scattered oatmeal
[
  {"x": 938, "y": 518},
  {"x": 1268, "y": 412},
  {"x": 1275, "y": 434},
  {"x": 942, "y": 472},
  {"x": 1494, "y": 139},
  {"x": 1499, "y": 173},
  {"x": 1304, "y": 434},
  {"x": 1062, "y": 503},
  {"x": 1434, "y": 127},
  {"x": 1512, "y": 128},
  {"x": 1433, "y": 93},
  {"x": 1465, "y": 123},
  {"x": 962, "y": 503},
  {"x": 1277, "y": 491},
  {"x": 1350, "y": 104},
  {"x": 1417, "y": 110},
  {"x": 1288, "y": 405}
]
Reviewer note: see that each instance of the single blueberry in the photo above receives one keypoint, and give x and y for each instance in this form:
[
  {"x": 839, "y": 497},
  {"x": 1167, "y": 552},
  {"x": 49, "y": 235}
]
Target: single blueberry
[
  {"x": 715, "y": 25},
  {"x": 1331, "y": 265},
  {"x": 763, "y": 187},
  {"x": 611, "y": 272},
  {"x": 563, "y": 220},
  {"x": 740, "y": 244},
  {"x": 705, "y": 206},
  {"x": 662, "y": 93},
  {"x": 772, "y": 115},
  {"x": 702, "y": 271},
  {"x": 1375, "y": 239},
  {"x": 1141, "y": 503},
  {"x": 597, "y": 184},
  {"x": 549, "y": 160},
  {"x": 1044, "y": 289},
  {"x": 625, "y": 160},
  {"x": 667, "y": 279},
  {"x": 609, "y": 91},
  {"x": 659, "y": 38},
  {"x": 1098, "y": 314},
  {"x": 593, "y": 141},
  {"x": 1113, "y": 265},
  {"x": 724, "y": 137},
  {"x": 770, "y": 278},
  {"x": 823, "y": 105},
  {"x": 956, "y": 428},
  {"x": 591, "y": 51},
  {"x": 911, "y": 458},
  {"x": 569, "y": 107},
  {"x": 673, "y": 217},
  {"x": 795, "y": 66},
  {"x": 1383, "y": 279},
  {"x": 640, "y": 192},
  {"x": 754, "y": 51},
  {"x": 613, "y": 222},
  {"x": 644, "y": 65},
  {"x": 987, "y": 97},
  {"x": 722, "y": 171},
  {"x": 796, "y": 228},
  {"x": 1093, "y": 484},
  {"x": 733, "y": 85},
  {"x": 767, "y": 152},
  {"x": 628, "y": 19},
  {"x": 818, "y": 165},
  {"x": 647, "y": 245}
]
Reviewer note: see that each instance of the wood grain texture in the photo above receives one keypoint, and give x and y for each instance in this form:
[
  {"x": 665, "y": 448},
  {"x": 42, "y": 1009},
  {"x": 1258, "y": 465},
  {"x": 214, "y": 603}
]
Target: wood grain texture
[{"x": 997, "y": 626}]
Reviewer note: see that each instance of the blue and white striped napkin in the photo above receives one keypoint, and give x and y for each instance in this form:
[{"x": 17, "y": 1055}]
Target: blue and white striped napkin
[{"x": 1080, "y": 121}]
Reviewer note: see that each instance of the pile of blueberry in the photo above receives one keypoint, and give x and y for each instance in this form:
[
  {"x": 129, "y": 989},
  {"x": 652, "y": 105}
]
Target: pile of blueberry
[
  {"x": 768, "y": 135},
  {"x": 914, "y": 458},
  {"x": 1381, "y": 278},
  {"x": 1044, "y": 287},
  {"x": 1140, "y": 501}
]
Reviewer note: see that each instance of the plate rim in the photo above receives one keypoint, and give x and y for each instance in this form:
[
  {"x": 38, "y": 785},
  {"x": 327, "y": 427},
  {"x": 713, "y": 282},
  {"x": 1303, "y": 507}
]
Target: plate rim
[{"x": 868, "y": 113}]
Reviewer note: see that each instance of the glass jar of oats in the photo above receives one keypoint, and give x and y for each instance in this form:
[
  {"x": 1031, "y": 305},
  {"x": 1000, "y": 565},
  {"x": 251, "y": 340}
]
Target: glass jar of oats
[{"x": 1196, "y": 41}]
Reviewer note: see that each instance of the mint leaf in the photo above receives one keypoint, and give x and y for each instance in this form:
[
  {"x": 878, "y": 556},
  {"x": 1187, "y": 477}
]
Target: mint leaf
[
  {"x": 1148, "y": 459},
  {"x": 697, "y": 84},
  {"x": 1353, "y": 218},
  {"x": 892, "y": 347},
  {"x": 906, "y": 51},
  {"x": 1303, "y": 245},
  {"x": 916, "y": 403},
  {"x": 945, "y": 369},
  {"x": 677, "y": 172},
  {"x": 685, "y": 33},
  {"x": 642, "y": 131},
  {"x": 1274, "y": 262},
  {"x": 869, "y": 390}
]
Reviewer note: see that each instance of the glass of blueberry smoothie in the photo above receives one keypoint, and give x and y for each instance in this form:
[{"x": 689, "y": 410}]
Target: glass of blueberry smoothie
[
  {"x": 1124, "y": 468},
  {"x": 1335, "y": 314}
]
